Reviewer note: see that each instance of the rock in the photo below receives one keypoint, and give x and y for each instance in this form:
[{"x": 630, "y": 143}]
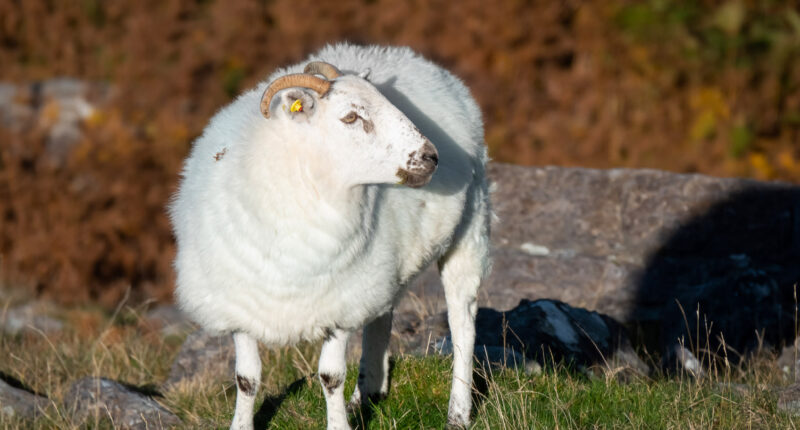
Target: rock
[
  {"x": 126, "y": 408},
  {"x": 412, "y": 333},
  {"x": 589, "y": 237},
  {"x": 14, "y": 113},
  {"x": 18, "y": 402},
  {"x": 59, "y": 106},
  {"x": 499, "y": 357},
  {"x": 789, "y": 400},
  {"x": 628, "y": 243},
  {"x": 678, "y": 358},
  {"x": 170, "y": 320},
  {"x": 724, "y": 308},
  {"x": 789, "y": 361},
  {"x": 726, "y": 388},
  {"x": 31, "y": 317},
  {"x": 203, "y": 355},
  {"x": 67, "y": 98},
  {"x": 549, "y": 330},
  {"x": 415, "y": 333}
]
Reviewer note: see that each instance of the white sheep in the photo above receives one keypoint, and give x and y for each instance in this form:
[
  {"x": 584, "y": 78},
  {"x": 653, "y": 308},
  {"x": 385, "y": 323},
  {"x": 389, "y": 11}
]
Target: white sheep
[{"x": 306, "y": 212}]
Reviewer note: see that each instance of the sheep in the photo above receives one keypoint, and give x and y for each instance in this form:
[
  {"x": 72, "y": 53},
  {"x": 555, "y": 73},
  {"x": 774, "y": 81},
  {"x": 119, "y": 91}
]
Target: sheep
[{"x": 311, "y": 202}]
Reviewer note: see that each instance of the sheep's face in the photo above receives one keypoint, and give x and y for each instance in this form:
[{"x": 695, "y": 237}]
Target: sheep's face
[{"x": 359, "y": 133}]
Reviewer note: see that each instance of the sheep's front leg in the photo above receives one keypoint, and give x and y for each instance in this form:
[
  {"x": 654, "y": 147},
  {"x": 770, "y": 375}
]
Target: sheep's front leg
[
  {"x": 373, "y": 372},
  {"x": 462, "y": 271},
  {"x": 332, "y": 372},
  {"x": 248, "y": 377},
  {"x": 461, "y": 310}
]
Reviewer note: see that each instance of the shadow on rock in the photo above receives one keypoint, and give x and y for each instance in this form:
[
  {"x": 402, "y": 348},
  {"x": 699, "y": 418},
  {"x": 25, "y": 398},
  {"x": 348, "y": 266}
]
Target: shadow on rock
[{"x": 722, "y": 283}]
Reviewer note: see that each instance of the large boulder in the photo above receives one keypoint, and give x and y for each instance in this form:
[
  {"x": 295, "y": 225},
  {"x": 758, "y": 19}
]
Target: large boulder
[{"x": 635, "y": 243}]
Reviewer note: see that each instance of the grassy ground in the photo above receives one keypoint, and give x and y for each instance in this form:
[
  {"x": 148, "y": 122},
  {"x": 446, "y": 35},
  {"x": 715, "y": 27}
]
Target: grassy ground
[{"x": 125, "y": 349}]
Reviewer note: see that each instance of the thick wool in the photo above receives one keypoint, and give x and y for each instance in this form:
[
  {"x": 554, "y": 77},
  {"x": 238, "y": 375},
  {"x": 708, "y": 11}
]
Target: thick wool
[{"x": 292, "y": 228}]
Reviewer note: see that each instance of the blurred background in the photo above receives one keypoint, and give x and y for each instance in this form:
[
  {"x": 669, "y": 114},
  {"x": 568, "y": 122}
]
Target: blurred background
[{"x": 100, "y": 101}]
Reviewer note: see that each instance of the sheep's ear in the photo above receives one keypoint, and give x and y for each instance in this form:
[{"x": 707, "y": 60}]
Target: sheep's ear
[
  {"x": 298, "y": 104},
  {"x": 365, "y": 74}
]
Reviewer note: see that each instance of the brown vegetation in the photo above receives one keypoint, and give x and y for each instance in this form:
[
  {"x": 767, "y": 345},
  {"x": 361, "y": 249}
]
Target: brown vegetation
[{"x": 711, "y": 87}]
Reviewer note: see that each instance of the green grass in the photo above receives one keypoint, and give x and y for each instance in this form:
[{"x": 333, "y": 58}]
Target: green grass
[{"x": 291, "y": 397}]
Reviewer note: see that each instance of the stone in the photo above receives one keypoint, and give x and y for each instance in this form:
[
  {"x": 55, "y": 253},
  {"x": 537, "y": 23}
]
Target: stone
[
  {"x": 550, "y": 330},
  {"x": 728, "y": 388},
  {"x": 789, "y": 361},
  {"x": 127, "y": 409},
  {"x": 59, "y": 106},
  {"x": 678, "y": 358},
  {"x": 414, "y": 333},
  {"x": 67, "y": 98},
  {"x": 14, "y": 114},
  {"x": 730, "y": 309},
  {"x": 203, "y": 355},
  {"x": 17, "y": 402},
  {"x": 31, "y": 318},
  {"x": 170, "y": 320},
  {"x": 789, "y": 399}
]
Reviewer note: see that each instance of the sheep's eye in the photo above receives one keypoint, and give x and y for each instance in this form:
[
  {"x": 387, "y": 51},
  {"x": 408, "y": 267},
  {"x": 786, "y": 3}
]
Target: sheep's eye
[{"x": 350, "y": 118}]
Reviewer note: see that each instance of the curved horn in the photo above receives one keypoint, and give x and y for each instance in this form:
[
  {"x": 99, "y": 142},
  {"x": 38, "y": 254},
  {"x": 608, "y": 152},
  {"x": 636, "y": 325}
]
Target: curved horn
[
  {"x": 325, "y": 69},
  {"x": 319, "y": 85}
]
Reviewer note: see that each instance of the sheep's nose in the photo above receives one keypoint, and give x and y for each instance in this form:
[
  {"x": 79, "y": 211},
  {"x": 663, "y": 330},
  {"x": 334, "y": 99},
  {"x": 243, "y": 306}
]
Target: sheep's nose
[
  {"x": 431, "y": 158},
  {"x": 429, "y": 154}
]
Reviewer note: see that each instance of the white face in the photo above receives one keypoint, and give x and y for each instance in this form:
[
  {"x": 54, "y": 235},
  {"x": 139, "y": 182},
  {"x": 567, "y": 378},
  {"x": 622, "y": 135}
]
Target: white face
[{"x": 365, "y": 138}]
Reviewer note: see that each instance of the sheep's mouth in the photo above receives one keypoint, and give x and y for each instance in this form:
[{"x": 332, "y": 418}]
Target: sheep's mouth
[{"x": 414, "y": 179}]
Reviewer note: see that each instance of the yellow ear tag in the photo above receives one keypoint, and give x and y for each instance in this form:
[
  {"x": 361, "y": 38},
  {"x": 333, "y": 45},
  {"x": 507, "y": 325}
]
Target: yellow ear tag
[{"x": 297, "y": 106}]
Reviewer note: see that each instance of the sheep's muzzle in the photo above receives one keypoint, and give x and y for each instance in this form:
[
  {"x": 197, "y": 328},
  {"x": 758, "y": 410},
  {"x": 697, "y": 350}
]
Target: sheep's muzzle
[{"x": 420, "y": 166}]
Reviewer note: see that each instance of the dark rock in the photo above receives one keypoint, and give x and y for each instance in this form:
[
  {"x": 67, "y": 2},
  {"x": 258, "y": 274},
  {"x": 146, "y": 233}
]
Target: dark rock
[
  {"x": 126, "y": 408},
  {"x": 728, "y": 310},
  {"x": 18, "y": 402},
  {"x": 549, "y": 330},
  {"x": 203, "y": 355},
  {"x": 499, "y": 357}
]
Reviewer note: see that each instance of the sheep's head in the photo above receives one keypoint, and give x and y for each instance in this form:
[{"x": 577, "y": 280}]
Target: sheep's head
[{"x": 349, "y": 122}]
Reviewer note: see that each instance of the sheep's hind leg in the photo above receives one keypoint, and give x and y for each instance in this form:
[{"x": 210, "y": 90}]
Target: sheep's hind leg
[
  {"x": 462, "y": 269},
  {"x": 332, "y": 372},
  {"x": 248, "y": 377},
  {"x": 373, "y": 371}
]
